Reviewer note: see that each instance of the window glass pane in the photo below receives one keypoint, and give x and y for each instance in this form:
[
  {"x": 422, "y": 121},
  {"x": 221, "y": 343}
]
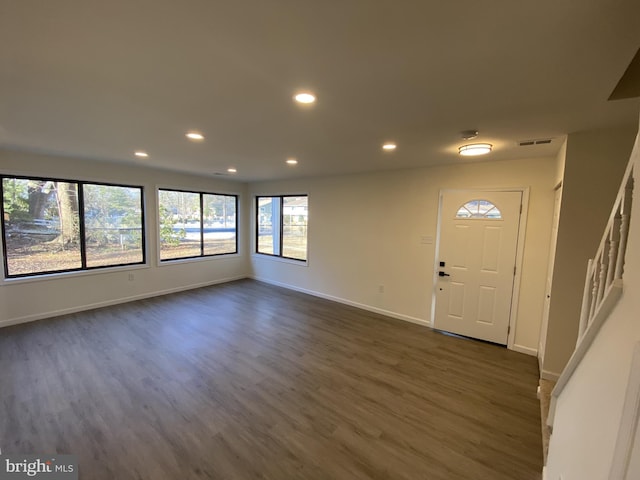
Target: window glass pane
[
  {"x": 179, "y": 224},
  {"x": 219, "y": 224},
  {"x": 479, "y": 209},
  {"x": 268, "y": 212},
  {"x": 41, "y": 225},
  {"x": 294, "y": 227},
  {"x": 113, "y": 225}
]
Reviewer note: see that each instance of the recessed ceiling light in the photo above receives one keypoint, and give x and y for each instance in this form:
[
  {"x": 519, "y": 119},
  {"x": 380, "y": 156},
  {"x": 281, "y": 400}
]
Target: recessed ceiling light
[
  {"x": 231, "y": 170},
  {"x": 475, "y": 149},
  {"x": 194, "y": 136},
  {"x": 292, "y": 161},
  {"x": 305, "y": 97},
  {"x": 389, "y": 146},
  {"x": 141, "y": 154}
]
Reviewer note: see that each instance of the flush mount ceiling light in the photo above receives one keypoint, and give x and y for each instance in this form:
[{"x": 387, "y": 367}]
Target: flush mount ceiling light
[
  {"x": 141, "y": 154},
  {"x": 196, "y": 136},
  {"x": 474, "y": 149},
  {"x": 231, "y": 170},
  {"x": 292, "y": 161},
  {"x": 305, "y": 97},
  {"x": 389, "y": 147}
]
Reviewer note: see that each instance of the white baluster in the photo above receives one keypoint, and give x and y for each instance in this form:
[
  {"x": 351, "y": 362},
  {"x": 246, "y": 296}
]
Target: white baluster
[
  {"x": 613, "y": 249},
  {"x": 601, "y": 280},
  {"x": 586, "y": 302},
  {"x": 624, "y": 227},
  {"x": 594, "y": 292}
]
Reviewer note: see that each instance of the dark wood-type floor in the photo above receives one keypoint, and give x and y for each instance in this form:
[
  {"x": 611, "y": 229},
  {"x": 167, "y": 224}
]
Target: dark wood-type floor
[{"x": 246, "y": 380}]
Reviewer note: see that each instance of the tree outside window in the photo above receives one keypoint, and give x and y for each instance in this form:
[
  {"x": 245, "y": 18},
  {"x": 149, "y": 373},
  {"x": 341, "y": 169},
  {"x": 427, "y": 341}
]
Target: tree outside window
[{"x": 52, "y": 225}]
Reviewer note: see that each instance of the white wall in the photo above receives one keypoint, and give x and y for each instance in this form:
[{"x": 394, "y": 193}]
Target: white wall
[
  {"x": 589, "y": 409},
  {"x": 365, "y": 231},
  {"x": 25, "y": 300}
]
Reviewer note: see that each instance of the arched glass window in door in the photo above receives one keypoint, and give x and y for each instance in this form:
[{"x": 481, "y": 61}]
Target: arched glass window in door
[{"x": 479, "y": 209}]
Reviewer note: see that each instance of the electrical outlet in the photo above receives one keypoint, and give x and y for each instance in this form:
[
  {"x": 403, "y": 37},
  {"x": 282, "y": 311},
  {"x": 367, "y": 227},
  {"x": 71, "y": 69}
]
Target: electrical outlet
[{"x": 131, "y": 277}]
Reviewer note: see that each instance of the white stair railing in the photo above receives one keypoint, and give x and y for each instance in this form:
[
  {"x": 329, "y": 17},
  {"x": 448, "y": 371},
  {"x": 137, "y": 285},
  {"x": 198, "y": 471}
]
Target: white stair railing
[
  {"x": 604, "y": 271},
  {"x": 603, "y": 286}
]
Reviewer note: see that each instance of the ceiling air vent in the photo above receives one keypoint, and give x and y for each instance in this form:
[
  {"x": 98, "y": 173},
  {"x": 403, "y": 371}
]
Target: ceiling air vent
[{"x": 542, "y": 141}]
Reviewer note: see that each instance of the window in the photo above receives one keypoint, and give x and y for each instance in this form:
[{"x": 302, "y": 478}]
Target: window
[
  {"x": 195, "y": 224},
  {"x": 281, "y": 226},
  {"x": 52, "y": 225},
  {"x": 479, "y": 209}
]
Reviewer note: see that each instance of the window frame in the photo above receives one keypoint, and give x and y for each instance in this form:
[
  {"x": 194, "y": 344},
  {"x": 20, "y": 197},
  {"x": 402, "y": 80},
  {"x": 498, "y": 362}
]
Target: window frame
[
  {"x": 202, "y": 255},
  {"x": 81, "y": 228},
  {"x": 281, "y": 227},
  {"x": 479, "y": 217}
]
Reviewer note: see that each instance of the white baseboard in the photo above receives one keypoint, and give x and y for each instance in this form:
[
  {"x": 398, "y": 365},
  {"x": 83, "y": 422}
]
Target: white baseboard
[
  {"x": 546, "y": 375},
  {"x": 370, "y": 308},
  {"x": 407, "y": 318},
  {"x": 116, "y": 301},
  {"x": 526, "y": 350},
  {"x": 381, "y": 311}
]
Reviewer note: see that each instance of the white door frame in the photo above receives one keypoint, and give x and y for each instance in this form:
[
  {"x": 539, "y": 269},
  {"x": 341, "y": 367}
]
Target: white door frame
[
  {"x": 515, "y": 296},
  {"x": 542, "y": 337}
]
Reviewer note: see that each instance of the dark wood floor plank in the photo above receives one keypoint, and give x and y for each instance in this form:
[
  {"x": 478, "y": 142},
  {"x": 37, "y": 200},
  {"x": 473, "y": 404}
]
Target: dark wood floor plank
[{"x": 249, "y": 381}]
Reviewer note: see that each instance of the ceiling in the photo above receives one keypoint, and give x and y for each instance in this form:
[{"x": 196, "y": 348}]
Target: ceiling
[{"x": 100, "y": 79}]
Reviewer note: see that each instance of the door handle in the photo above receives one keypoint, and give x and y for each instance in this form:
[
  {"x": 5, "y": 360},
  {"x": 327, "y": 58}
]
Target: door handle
[{"x": 442, "y": 274}]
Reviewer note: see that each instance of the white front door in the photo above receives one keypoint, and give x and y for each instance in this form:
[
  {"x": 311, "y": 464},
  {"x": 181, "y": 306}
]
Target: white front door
[{"x": 477, "y": 245}]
